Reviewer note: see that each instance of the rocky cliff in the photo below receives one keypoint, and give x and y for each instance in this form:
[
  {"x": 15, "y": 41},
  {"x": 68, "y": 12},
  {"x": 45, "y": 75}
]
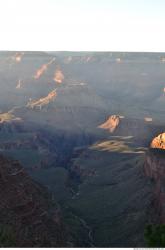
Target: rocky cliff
[
  {"x": 159, "y": 141},
  {"x": 154, "y": 167},
  {"x": 111, "y": 123},
  {"x": 43, "y": 101},
  {"x": 27, "y": 208}
]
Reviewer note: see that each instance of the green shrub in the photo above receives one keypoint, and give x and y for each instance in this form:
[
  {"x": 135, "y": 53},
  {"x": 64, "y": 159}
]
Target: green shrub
[
  {"x": 7, "y": 237},
  {"x": 155, "y": 235}
]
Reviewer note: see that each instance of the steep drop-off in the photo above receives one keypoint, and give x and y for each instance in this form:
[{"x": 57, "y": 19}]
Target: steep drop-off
[
  {"x": 27, "y": 208},
  {"x": 113, "y": 195},
  {"x": 154, "y": 168}
]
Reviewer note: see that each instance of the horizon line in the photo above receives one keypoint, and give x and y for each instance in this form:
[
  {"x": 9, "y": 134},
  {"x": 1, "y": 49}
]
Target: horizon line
[{"x": 84, "y": 51}]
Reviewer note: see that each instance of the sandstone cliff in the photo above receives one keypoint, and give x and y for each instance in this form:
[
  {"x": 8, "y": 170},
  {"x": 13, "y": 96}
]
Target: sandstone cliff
[
  {"x": 111, "y": 124},
  {"x": 159, "y": 141}
]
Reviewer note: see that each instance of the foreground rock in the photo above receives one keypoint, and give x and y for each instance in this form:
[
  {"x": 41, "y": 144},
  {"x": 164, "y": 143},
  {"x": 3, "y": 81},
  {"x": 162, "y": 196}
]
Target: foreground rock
[
  {"x": 159, "y": 141},
  {"x": 27, "y": 209}
]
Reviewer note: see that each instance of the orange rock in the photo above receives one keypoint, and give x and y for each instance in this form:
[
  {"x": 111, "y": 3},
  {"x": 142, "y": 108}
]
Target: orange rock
[
  {"x": 58, "y": 76},
  {"x": 43, "y": 101},
  {"x": 158, "y": 142},
  {"x": 43, "y": 69},
  {"x": 111, "y": 124}
]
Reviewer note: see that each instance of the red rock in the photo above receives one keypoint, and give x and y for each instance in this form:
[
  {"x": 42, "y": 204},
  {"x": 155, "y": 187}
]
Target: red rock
[
  {"x": 111, "y": 124},
  {"x": 158, "y": 142}
]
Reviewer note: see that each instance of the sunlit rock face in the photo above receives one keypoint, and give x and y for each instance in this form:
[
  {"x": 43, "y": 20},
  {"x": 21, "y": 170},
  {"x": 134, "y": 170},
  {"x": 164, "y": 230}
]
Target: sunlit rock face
[
  {"x": 58, "y": 76},
  {"x": 43, "y": 101},
  {"x": 111, "y": 124},
  {"x": 40, "y": 71},
  {"x": 43, "y": 69},
  {"x": 158, "y": 142},
  {"x": 9, "y": 118}
]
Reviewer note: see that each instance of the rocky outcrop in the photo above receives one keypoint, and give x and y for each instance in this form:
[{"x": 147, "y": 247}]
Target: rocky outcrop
[
  {"x": 43, "y": 69},
  {"x": 8, "y": 118},
  {"x": 18, "y": 57},
  {"x": 43, "y": 101},
  {"x": 159, "y": 141},
  {"x": 27, "y": 208},
  {"x": 111, "y": 124},
  {"x": 154, "y": 168},
  {"x": 58, "y": 76}
]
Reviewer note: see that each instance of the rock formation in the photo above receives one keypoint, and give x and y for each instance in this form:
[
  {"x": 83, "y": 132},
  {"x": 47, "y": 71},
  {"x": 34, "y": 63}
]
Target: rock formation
[
  {"x": 9, "y": 118},
  {"x": 154, "y": 168},
  {"x": 43, "y": 101},
  {"x": 159, "y": 141},
  {"x": 58, "y": 76},
  {"x": 111, "y": 124},
  {"x": 27, "y": 208},
  {"x": 43, "y": 69}
]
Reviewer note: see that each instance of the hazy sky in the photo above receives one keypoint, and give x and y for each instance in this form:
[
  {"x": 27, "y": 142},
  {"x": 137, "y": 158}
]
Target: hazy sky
[{"x": 106, "y": 25}]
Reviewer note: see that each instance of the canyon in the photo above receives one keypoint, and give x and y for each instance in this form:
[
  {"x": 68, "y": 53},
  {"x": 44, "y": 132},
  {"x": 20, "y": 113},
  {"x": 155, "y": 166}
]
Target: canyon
[{"x": 77, "y": 128}]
